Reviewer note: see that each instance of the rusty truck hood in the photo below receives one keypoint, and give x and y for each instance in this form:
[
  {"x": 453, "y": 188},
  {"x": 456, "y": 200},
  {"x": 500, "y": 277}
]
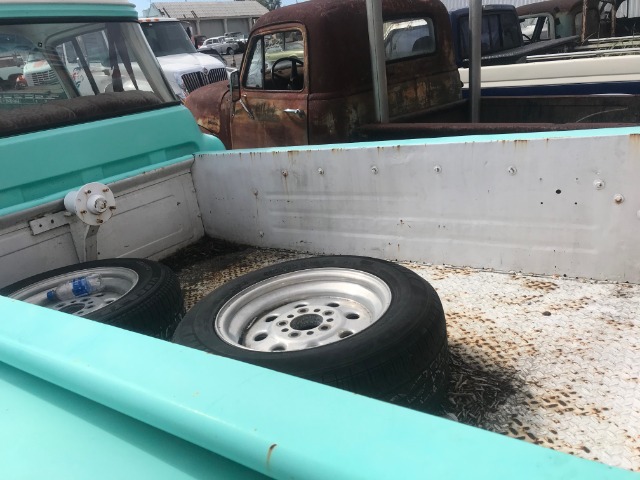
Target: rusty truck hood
[{"x": 210, "y": 107}]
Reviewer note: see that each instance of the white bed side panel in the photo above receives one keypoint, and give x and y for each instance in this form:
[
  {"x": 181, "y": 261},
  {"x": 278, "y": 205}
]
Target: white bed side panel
[
  {"x": 567, "y": 206},
  {"x": 156, "y": 214}
]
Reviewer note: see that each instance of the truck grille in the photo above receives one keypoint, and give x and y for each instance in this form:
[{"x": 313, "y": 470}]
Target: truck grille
[
  {"x": 42, "y": 78},
  {"x": 217, "y": 75},
  {"x": 195, "y": 80}
]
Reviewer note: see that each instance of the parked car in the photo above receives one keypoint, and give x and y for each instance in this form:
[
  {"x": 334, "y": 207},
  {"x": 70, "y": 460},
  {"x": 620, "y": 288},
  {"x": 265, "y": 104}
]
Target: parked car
[
  {"x": 239, "y": 38},
  {"x": 220, "y": 45}
]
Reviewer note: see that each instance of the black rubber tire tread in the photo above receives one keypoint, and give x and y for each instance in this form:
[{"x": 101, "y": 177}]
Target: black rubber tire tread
[
  {"x": 153, "y": 307},
  {"x": 401, "y": 358}
]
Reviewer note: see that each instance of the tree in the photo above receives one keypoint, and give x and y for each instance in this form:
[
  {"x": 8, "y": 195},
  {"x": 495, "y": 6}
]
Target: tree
[{"x": 270, "y": 4}]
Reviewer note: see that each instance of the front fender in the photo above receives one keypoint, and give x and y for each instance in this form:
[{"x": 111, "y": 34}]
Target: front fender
[{"x": 210, "y": 106}]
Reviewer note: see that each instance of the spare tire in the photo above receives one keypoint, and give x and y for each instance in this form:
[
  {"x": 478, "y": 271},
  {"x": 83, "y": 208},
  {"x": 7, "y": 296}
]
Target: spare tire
[
  {"x": 138, "y": 295},
  {"x": 361, "y": 324}
]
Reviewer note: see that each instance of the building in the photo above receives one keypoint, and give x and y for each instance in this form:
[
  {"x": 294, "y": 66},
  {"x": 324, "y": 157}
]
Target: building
[{"x": 211, "y": 19}]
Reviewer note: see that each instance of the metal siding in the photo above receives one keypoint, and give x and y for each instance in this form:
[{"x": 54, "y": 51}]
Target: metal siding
[
  {"x": 211, "y": 28},
  {"x": 238, "y": 25}
]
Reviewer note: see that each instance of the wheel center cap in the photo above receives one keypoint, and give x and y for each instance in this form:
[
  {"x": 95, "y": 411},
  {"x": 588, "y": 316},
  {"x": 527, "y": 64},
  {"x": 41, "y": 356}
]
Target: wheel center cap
[{"x": 306, "y": 322}]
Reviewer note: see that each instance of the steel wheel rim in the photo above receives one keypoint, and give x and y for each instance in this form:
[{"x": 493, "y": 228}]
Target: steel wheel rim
[
  {"x": 118, "y": 281},
  {"x": 303, "y": 309}
]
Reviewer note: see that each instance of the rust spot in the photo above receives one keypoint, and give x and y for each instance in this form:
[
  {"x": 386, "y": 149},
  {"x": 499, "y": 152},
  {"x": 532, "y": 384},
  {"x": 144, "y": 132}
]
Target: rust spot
[{"x": 270, "y": 451}]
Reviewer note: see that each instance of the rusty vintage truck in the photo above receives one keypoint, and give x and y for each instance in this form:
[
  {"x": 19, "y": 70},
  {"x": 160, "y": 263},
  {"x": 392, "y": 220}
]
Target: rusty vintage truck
[{"x": 307, "y": 79}]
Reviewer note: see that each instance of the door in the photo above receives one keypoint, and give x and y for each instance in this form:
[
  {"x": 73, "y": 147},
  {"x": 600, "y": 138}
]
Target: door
[{"x": 272, "y": 110}]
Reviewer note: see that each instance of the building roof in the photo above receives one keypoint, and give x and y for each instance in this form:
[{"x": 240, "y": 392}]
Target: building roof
[{"x": 248, "y": 8}]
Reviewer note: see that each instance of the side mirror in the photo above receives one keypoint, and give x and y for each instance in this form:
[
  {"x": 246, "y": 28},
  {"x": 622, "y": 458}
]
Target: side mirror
[{"x": 234, "y": 85}]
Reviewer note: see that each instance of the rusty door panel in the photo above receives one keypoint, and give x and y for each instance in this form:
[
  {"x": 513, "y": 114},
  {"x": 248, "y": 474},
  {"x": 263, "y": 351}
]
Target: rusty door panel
[{"x": 270, "y": 124}]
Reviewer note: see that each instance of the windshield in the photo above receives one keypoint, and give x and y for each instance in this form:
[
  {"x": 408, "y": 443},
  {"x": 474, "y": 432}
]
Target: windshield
[
  {"x": 63, "y": 63},
  {"x": 167, "y": 38}
]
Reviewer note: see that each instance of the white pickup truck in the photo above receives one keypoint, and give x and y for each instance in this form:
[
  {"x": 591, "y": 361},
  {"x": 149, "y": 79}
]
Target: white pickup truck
[{"x": 185, "y": 67}]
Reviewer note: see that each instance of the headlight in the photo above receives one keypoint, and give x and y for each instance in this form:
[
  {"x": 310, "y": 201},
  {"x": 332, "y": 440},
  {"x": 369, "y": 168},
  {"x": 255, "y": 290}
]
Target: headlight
[{"x": 182, "y": 88}]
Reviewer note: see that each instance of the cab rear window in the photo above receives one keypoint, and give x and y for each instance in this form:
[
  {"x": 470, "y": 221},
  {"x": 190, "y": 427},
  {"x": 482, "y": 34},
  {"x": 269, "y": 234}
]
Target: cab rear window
[{"x": 408, "y": 38}]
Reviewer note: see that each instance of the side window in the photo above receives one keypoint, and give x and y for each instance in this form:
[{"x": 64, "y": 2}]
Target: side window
[
  {"x": 255, "y": 76},
  {"x": 277, "y": 62},
  {"x": 535, "y": 29},
  {"x": 546, "y": 28},
  {"x": 495, "y": 36},
  {"x": 510, "y": 34},
  {"x": 87, "y": 51},
  {"x": 490, "y": 38},
  {"x": 53, "y": 63},
  {"x": 408, "y": 38}
]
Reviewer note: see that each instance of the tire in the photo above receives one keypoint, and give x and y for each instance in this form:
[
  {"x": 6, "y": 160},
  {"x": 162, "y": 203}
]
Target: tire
[
  {"x": 396, "y": 349},
  {"x": 229, "y": 51},
  {"x": 139, "y": 295}
]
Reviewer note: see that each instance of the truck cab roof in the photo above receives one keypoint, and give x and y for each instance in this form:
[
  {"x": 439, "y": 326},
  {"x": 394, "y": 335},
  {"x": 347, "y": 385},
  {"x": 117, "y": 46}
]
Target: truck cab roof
[{"x": 328, "y": 20}]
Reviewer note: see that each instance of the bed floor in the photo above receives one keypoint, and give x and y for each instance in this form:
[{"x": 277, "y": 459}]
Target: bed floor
[{"x": 548, "y": 360}]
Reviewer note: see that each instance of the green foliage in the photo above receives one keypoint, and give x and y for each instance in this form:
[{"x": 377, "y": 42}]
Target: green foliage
[{"x": 270, "y": 4}]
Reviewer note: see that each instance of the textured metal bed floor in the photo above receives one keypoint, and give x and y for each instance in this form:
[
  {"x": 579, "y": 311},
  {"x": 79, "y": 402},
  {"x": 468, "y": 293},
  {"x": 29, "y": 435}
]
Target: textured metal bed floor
[{"x": 552, "y": 361}]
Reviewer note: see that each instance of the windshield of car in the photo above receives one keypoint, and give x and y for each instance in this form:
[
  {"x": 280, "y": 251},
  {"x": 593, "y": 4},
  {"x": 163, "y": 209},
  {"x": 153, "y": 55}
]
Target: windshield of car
[
  {"x": 61, "y": 64},
  {"x": 167, "y": 38}
]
